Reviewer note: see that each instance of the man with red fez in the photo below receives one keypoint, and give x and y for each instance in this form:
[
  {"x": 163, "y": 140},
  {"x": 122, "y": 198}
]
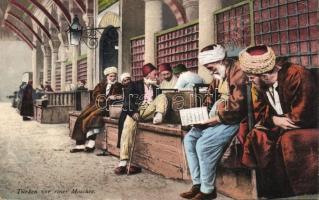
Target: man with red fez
[
  {"x": 169, "y": 80},
  {"x": 204, "y": 144},
  {"x": 285, "y": 100},
  {"x": 141, "y": 103}
]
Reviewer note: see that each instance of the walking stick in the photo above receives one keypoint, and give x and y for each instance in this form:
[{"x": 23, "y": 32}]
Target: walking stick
[{"x": 132, "y": 149}]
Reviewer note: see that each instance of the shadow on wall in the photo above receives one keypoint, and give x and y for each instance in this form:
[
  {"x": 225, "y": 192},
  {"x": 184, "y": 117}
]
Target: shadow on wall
[{"x": 15, "y": 59}]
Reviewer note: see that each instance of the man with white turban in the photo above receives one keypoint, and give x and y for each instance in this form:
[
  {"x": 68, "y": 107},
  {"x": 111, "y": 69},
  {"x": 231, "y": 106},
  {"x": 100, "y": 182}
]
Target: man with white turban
[
  {"x": 125, "y": 78},
  {"x": 205, "y": 142},
  {"x": 90, "y": 121}
]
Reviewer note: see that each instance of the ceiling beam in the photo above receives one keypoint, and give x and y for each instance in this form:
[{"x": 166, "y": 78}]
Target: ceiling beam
[
  {"x": 26, "y": 25},
  {"x": 44, "y": 10},
  {"x": 24, "y": 9},
  {"x": 21, "y": 35}
]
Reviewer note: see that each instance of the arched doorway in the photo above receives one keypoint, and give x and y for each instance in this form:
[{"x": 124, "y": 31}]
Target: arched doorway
[{"x": 108, "y": 49}]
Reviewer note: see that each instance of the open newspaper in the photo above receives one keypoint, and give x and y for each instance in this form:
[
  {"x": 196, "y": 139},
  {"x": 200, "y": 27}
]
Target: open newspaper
[{"x": 193, "y": 115}]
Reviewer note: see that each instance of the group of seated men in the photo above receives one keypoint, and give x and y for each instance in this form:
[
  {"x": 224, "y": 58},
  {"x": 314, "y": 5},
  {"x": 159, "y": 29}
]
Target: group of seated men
[{"x": 283, "y": 99}]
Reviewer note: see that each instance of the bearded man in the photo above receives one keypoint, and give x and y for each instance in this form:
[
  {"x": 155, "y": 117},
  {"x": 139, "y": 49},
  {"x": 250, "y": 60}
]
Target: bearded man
[
  {"x": 204, "y": 146},
  {"x": 166, "y": 72},
  {"x": 90, "y": 121}
]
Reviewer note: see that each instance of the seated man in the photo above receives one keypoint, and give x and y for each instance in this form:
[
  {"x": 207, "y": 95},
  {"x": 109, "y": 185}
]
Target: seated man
[
  {"x": 141, "y": 102},
  {"x": 204, "y": 146},
  {"x": 186, "y": 79},
  {"x": 169, "y": 80},
  {"x": 125, "y": 80},
  {"x": 90, "y": 121},
  {"x": 285, "y": 100}
]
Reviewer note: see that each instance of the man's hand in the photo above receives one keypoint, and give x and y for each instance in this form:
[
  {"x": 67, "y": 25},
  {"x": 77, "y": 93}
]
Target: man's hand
[
  {"x": 136, "y": 116},
  {"x": 112, "y": 97},
  {"x": 284, "y": 123}
]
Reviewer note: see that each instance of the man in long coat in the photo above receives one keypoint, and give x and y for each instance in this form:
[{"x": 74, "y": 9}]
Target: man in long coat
[
  {"x": 204, "y": 146},
  {"x": 285, "y": 100},
  {"x": 90, "y": 121},
  {"x": 26, "y": 101}
]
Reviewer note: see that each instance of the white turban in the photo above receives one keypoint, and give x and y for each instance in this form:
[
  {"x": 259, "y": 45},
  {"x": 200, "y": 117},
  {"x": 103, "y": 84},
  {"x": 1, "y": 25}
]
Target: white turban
[
  {"x": 124, "y": 76},
  {"x": 110, "y": 70},
  {"x": 210, "y": 56}
]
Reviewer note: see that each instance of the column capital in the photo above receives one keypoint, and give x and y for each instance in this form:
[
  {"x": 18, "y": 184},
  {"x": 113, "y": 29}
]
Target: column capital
[
  {"x": 190, "y": 3},
  {"x": 151, "y": 0},
  {"x": 54, "y": 44},
  {"x": 46, "y": 50},
  {"x": 88, "y": 18}
]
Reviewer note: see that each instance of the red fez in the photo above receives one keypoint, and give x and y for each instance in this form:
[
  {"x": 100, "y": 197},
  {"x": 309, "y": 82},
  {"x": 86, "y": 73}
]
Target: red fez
[
  {"x": 165, "y": 67},
  {"x": 257, "y": 50},
  {"x": 148, "y": 68}
]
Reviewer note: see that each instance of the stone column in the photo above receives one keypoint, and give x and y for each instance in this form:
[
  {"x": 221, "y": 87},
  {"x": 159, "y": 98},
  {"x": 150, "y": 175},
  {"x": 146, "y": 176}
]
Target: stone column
[
  {"x": 89, "y": 21},
  {"x": 35, "y": 72},
  {"x": 191, "y": 9},
  {"x": 53, "y": 68},
  {"x": 153, "y": 24},
  {"x": 75, "y": 56},
  {"x": 63, "y": 59},
  {"x": 207, "y": 30},
  {"x": 46, "y": 61}
]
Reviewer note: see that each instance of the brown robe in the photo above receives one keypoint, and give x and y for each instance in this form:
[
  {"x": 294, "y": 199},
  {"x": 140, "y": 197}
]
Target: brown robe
[
  {"x": 264, "y": 146},
  {"x": 92, "y": 116},
  {"x": 235, "y": 109}
]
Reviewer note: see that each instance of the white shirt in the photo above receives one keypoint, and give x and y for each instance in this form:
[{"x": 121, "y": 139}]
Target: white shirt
[
  {"x": 274, "y": 99},
  {"x": 187, "y": 80}
]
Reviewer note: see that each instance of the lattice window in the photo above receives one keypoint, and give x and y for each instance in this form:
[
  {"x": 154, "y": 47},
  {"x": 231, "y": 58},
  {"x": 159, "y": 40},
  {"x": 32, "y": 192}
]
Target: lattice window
[
  {"x": 82, "y": 69},
  {"x": 179, "y": 45},
  {"x": 137, "y": 52},
  {"x": 234, "y": 26},
  {"x": 58, "y": 77},
  {"x": 68, "y": 73},
  {"x": 289, "y": 27},
  {"x": 49, "y": 75}
]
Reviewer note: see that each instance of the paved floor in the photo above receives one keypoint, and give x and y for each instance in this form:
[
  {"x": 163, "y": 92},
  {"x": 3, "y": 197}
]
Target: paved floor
[{"x": 35, "y": 163}]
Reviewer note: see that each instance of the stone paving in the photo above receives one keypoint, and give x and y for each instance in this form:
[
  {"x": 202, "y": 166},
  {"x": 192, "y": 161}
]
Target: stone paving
[{"x": 36, "y": 164}]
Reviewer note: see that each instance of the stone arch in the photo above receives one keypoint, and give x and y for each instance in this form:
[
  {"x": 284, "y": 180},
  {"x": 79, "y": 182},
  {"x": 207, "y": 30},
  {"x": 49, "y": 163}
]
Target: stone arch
[
  {"x": 178, "y": 10},
  {"x": 109, "y": 19}
]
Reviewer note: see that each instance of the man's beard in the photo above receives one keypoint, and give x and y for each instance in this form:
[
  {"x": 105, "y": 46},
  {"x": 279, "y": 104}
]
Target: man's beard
[
  {"x": 168, "y": 79},
  {"x": 220, "y": 72},
  {"x": 111, "y": 82}
]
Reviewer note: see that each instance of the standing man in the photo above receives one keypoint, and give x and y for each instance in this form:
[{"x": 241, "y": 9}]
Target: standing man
[
  {"x": 204, "y": 146},
  {"x": 186, "y": 79},
  {"x": 169, "y": 80},
  {"x": 26, "y": 106},
  {"x": 90, "y": 121},
  {"x": 141, "y": 102}
]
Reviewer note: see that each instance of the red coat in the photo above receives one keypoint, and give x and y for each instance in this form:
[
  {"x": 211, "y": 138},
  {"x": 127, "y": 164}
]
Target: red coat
[{"x": 266, "y": 149}]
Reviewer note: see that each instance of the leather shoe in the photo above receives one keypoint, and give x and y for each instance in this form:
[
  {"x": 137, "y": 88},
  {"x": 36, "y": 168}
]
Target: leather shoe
[
  {"x": 76, "y": 150},
  {"x": 120, "y": 170},
  {"x": 191, "y": 193},
  {"x": 134, "y": 170},
  {"x": 89, "y": 150},
  {"x": 204, "y": 196}
]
